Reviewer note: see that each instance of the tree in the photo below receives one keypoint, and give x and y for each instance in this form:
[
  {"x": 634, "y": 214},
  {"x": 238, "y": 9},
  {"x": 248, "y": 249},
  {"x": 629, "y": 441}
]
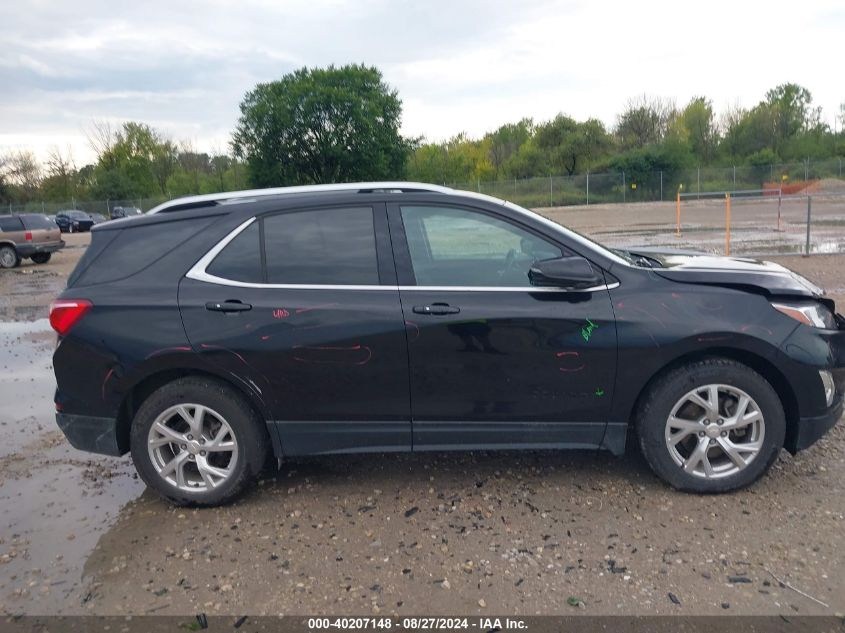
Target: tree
[
  {"x": 792, "y": 111},
  {"x": 698, "y": 122},
  {"x": 644, "y": 121},
  {"x": 322, "y": 125},
  {"x": 60, "y": 184},
  {"x": 571, "y": 147},
  {"x": 133, "y": 162},
  {"x": 21, "y": 175},
  {"x": 506, "y": 141}
]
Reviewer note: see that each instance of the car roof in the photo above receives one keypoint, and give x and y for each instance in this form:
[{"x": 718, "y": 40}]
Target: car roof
[{"x": 230, "y": 197}]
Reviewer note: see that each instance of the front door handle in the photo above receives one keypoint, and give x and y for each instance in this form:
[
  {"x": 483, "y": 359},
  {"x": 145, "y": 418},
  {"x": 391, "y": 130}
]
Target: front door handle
[
  {"x": 436, "y": 308},
  {"x": 231, "y": 305}
]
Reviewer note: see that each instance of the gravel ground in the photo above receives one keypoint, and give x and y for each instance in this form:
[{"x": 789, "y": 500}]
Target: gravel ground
[{"x": 460, "y": 533}]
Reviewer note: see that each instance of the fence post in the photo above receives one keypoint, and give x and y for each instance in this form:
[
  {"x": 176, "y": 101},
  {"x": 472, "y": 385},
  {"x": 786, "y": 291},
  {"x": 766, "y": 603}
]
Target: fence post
[
  {"x": 734, "y": 176},
  {"x": 624, "y": 188},
  {"x": 551, "y": 204},
  {"x": 42, "y": 206},
  {"x": 678, "y": 215},
  {"x": 807, "y": 169},
  {"x": 807, "y": 244},
  {"x": 780, "y": 200},
  {"x": 840, "y": 167},
  {"x": 727, "y": 225},
  {"x": 698, "y": 186},
  {"x": 661, "y": 185},
  {"x": 588, "y": 189}
]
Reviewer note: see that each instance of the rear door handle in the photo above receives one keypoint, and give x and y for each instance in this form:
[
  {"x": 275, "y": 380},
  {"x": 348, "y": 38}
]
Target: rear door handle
[
  {"x": 436, "y": 308},
  {"x": 231, "y": 305}
]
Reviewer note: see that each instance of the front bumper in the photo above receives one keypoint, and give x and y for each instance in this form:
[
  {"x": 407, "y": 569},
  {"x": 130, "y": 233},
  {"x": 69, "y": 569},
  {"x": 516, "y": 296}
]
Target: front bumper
[
  {"x": 93, "y": 434},
  {"x": 810, "y": 430}
]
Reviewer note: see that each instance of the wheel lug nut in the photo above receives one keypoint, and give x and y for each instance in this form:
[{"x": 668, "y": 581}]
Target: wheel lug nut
[
  {"x": 701, "y": 434},
  {"x": 721, "y": 421},
  {"x": 706, "y": 421},
  {"x": 190, "y": 437},
  {"x": 202, "y": 453},
  {"x": 712, "y": 441},
  {"x": 184, "y": 446},
  {"x": 202, "y": 440},
  {"x": 191, "y": 457},
  {"x": 724, "y": 434}
]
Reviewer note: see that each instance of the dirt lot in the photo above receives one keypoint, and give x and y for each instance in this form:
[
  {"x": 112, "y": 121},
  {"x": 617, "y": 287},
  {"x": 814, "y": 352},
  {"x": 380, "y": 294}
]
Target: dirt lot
[{"x": 407, "y": 534}]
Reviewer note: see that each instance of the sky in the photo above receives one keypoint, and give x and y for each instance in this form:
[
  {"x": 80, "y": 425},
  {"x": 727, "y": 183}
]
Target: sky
[{"x": 184, "y": 66}]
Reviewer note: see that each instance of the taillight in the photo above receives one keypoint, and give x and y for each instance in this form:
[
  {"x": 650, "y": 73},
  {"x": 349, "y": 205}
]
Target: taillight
[
  {"x": 28, "y": 236},
  {"x": 64, "y": 313}
]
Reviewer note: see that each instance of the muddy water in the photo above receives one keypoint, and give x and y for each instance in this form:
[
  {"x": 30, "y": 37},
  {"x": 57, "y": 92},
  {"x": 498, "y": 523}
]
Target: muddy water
[{"x": 55, "y": 501}]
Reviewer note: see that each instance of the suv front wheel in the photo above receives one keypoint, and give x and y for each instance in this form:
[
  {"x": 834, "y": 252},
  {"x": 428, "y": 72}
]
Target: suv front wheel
[
  {"x": 711, "y": 426},
  {"x": 197, "y": 441}
]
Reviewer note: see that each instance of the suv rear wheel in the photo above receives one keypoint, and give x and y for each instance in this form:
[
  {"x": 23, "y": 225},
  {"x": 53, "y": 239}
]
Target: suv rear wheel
[
  {"x": 197, "y": 441},
  {"x": 711, "y": 426},
  {"x": 8, "y": 257},
  {"x": 41, "y": 258}
]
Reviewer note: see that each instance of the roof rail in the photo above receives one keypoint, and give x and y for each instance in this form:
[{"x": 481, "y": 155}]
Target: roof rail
[{"x": 232, "y": 197}]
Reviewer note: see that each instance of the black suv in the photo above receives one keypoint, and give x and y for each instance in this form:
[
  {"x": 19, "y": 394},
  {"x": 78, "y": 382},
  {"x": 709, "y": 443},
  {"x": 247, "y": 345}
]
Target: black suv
[{"x": 400, "y": 316}]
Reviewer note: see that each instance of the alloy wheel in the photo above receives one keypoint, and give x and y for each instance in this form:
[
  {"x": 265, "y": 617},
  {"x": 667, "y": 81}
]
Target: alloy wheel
[
  {"x": 715, "y": 431},
  {"x": 192, "y": 447}
]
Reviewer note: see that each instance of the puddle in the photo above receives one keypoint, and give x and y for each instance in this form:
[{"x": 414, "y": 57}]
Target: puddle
[{"x": 56, "y": 501}]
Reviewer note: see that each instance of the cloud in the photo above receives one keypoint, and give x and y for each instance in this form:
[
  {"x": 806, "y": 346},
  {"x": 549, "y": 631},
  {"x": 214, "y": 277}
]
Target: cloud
[{"x": 459, "y": 66}]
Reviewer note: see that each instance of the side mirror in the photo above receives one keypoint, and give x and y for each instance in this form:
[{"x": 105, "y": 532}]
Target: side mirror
[{"x": 568, "y": 273}]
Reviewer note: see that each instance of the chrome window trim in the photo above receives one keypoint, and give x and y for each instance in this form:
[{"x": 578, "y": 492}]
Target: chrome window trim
[{"x": 198, "y": 273}]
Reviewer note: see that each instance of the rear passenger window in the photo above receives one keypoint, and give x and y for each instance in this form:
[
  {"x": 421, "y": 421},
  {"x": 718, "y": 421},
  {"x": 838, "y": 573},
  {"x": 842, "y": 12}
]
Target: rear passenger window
[
  {"x": 10, "y": 223},
  {"x": 241, "y": 259},
  {"x": 329, "y": 246}
]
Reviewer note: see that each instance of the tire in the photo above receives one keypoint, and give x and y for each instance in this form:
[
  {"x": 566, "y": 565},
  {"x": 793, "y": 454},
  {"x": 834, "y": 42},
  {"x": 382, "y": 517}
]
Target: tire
[
  {"x": 41, "y": 258},
  {"x": 692, "y": 452},
  {"x": 9, "y": 257},
  {"x": 221, "y": 405}
]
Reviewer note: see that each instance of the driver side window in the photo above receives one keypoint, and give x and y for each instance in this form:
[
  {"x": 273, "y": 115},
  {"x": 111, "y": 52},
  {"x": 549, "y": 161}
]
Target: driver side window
[{"x": 457, "y": 247}]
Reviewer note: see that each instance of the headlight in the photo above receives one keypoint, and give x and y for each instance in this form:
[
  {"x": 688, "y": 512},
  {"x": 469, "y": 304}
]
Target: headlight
[{"x": 812, "y": 314}]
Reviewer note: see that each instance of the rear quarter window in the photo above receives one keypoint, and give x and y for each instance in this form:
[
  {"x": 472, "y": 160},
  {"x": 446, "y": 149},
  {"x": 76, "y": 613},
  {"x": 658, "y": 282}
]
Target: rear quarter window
[{"x": 128, "y": 251}]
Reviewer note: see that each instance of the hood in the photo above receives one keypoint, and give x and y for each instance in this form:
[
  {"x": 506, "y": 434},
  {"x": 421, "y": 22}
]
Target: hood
[{"x": 700, "y": 268}]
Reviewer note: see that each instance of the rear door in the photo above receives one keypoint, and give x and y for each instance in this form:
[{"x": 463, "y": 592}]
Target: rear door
[
  {"x": 495, "y": 362},
  {"x": 302, "y": 307}
]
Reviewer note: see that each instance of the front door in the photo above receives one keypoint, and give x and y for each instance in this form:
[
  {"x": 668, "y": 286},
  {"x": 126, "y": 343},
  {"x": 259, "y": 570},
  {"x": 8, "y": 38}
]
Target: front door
[
  {"x": 495, "y": 362},
  {"x": 302, "y": 308}
]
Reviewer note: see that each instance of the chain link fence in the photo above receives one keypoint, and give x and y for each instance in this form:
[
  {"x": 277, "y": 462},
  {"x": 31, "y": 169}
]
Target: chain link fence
[
  {"x": 102, "y": 207},
  {"x": 784, "y": 208},
  {"x": 654, "y": 186}
]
